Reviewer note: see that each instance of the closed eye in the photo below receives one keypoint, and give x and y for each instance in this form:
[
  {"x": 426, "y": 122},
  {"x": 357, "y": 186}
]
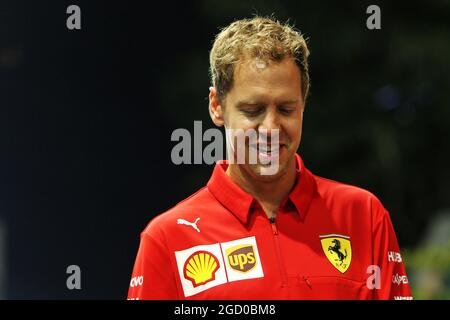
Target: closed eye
[
  {"x": 253, "y": 112},
  {"x": 286, "y": 110}
]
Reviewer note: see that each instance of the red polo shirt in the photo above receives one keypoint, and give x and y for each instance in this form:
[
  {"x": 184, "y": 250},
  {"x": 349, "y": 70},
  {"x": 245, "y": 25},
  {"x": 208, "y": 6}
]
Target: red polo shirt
[{"x": 329, "y": 241}]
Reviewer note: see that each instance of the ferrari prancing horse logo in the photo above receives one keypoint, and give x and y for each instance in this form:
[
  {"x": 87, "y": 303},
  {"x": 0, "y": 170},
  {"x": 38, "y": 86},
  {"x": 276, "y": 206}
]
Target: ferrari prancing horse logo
[{"x": 338, "y": 250}]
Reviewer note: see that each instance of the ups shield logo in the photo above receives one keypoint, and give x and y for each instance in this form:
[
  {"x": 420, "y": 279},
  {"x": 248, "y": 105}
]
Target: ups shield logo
[{"x": 241, "y": 258}]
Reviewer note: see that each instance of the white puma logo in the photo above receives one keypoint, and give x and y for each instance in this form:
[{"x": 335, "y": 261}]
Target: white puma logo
[{"x": 192, "y": 224}]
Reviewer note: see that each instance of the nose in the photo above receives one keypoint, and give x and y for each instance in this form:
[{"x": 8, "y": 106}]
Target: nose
[{"x": 270, "y": 124}]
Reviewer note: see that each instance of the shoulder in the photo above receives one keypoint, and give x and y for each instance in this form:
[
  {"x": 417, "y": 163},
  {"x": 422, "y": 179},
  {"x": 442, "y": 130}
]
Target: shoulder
[
  {"x": 335, "y": 191},
  {"x": 186, "y": 209}
]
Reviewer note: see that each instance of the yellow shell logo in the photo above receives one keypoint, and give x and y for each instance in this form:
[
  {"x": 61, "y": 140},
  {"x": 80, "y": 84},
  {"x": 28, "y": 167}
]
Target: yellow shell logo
[{"x": 200, "y": 268}]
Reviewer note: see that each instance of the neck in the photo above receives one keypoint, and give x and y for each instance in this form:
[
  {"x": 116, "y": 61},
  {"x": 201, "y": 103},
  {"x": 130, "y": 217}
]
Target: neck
[{"x": 269, "y": 193}]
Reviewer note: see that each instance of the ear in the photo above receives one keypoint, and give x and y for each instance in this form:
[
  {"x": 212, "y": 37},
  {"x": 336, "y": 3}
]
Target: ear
[{"x": 215, "y": 108}]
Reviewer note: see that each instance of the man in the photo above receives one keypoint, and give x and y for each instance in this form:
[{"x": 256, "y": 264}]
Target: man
[{"x": 252, "y": 235}]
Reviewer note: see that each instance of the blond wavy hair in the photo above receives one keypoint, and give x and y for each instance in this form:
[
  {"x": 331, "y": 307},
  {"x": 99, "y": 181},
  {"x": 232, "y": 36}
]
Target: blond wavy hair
[{"x": 261, "y": 38}]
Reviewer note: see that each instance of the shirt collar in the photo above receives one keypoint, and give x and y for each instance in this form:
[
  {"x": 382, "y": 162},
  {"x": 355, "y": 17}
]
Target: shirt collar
[{"x": 239, "y": 202}]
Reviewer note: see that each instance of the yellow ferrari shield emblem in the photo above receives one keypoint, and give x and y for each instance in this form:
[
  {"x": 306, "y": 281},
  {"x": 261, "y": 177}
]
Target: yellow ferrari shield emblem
[{"x": 338, "y": 250}]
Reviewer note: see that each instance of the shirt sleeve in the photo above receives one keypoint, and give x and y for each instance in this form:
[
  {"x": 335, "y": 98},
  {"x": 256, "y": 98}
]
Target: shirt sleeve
[
  {"x": 152, "y": 277},
  {"x": 393, "y": 282}
]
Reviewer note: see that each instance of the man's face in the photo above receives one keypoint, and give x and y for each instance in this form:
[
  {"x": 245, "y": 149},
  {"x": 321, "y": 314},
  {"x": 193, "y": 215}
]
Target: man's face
[{"x": 267, "y": 96}]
